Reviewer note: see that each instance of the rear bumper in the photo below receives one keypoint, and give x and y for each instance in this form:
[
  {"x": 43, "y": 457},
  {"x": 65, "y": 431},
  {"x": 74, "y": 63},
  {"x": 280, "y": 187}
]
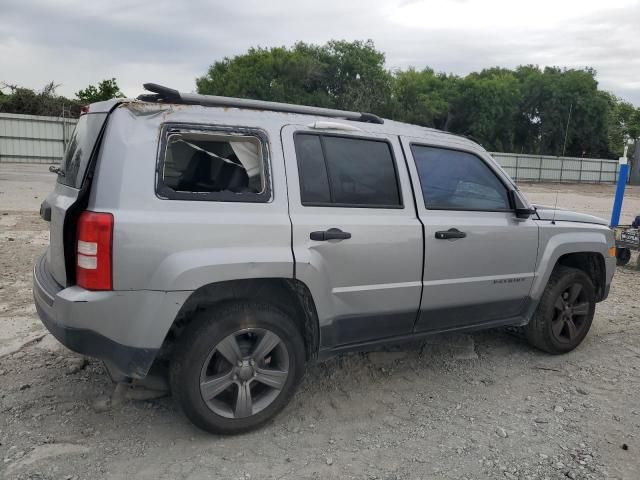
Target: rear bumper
[
  {"x": 121, "y": 361},
  {"x": 123, "y": 329}
]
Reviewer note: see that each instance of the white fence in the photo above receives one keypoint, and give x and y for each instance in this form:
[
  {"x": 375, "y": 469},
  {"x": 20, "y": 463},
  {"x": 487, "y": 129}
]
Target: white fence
[
  {"x": 540, "y": 168},
  {"x": 33, "y": 139}
]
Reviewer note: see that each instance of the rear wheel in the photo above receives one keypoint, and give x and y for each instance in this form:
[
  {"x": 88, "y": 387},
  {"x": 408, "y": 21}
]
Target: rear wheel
[
  {"x": 237, "y": 367},
  {"x": 623, "y": 255},
  {"x": 565, "y": 312}
]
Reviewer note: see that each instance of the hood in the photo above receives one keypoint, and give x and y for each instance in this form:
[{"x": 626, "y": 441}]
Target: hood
[{"x": 551, "y": 213}]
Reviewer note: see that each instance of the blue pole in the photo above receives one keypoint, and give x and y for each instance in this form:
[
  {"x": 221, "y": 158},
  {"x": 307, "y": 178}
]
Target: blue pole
[{"x": 622, "y": 182}]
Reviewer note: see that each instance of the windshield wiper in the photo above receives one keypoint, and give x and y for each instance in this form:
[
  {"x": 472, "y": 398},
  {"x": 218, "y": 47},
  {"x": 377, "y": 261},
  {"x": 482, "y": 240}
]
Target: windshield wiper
[{"x": 57, "y": 170}]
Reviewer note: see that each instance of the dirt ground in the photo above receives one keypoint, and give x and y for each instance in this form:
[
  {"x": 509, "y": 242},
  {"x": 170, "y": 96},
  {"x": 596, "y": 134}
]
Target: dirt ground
[{"x": 480, "y": 406}]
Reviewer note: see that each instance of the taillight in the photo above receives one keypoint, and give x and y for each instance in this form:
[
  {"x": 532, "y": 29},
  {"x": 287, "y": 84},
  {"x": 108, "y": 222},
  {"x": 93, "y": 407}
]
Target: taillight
[{"x": 93, "y": 250}]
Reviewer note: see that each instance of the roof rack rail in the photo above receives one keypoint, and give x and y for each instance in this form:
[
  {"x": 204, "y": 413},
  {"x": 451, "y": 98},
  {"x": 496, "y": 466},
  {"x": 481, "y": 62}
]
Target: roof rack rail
[{"x": 169, "y": 95}]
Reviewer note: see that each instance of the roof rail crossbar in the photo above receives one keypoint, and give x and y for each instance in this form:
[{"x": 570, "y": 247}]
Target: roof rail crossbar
[{"x": 169, "y": 95}]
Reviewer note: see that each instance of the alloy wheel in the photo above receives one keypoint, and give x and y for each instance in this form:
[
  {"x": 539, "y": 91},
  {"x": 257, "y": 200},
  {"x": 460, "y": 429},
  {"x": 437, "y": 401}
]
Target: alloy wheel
[
  {"x": 244, "y": 373},
  {"x": 571, "y": 310}
]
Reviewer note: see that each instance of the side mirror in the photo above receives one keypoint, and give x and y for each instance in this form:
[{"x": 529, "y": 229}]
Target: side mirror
[{"x": 519, "y": 207}]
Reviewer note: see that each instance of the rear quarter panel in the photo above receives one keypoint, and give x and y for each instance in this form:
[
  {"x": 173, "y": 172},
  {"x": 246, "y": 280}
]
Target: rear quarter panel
[{"x": 172, "y": 245}]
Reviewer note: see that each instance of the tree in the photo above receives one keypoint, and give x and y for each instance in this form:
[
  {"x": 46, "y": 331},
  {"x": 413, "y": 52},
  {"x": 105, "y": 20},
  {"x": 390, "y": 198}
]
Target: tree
[
  {"x": 45, "y": 102},
  {"x": 339, "y": 74},
  {"x": 562, "y": 111},
  {"x": 278, "y": 74},
  {"x": 106, "y": 90},
  {"x": 624, "y": 126},
  {"x": 624, "y": 123},
  {"x": 550, "y": 111},
  {"x": 486, "y": 108},
  {"x": 356, "y": 77},
  {"x": 424, "y": 97}
]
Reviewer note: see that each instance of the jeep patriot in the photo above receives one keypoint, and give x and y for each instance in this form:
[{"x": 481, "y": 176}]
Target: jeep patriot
[{"x": 233, "y": 241}]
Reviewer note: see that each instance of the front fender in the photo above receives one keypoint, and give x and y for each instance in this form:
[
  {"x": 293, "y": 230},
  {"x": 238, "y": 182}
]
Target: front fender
[{"x": 564, "y": 238}]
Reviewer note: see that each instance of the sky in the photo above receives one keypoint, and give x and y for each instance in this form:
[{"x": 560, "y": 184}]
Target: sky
[{"x": 77, "y": 43}]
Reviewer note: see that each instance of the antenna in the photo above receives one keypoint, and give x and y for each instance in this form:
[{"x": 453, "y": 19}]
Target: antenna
[{"x": 555, "y": 207}]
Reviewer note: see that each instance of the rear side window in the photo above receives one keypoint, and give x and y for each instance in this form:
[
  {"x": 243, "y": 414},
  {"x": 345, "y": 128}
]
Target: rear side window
[
  {"x": 213, "y": 165},
  {"x": 346, "y": 171},
  {"x": 79, "y": 149},
  {"x": 314, "y": 183},
  {"x": 456, "y": 180}
]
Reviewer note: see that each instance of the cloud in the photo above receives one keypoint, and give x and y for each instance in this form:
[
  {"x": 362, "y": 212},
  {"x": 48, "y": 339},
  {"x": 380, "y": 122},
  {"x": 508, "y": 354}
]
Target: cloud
[{"x": 76, "y": 42}]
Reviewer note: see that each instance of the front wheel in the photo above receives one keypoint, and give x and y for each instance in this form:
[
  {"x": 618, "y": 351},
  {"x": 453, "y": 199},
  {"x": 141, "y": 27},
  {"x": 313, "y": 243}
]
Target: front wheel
[
  {"x": 565, "y": 312},
  {"x": 623, "y": 255},
  {"x": 237, "y": 367}
]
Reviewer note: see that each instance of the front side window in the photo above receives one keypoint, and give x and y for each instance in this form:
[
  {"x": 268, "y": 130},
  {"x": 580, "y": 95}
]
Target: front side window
[
  {"x": 346, "y": 171},
  {"x": 213, "y": 165},
  {"x": 456, "y": 180}
]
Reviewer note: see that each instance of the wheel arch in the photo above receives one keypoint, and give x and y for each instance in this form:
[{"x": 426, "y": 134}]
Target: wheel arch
[
  {"x": 291, "y": 296},
  {"x": 575, "y": 247},
  {"x": 591, "y": 263}
]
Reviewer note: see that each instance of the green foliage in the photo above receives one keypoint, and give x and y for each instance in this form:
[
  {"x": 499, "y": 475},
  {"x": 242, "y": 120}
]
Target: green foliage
[
  {"x": 528, "y": 109},
  {"x": 106, "y": 90},
  {"x": 424, "y": 98},
  {"x": 340, "y": 74},
  {"x": 554, "y": 98},
  {"x": 624, "y": 123},
  {"x": 45, "y": 102},
  {"x": 486, "y": 108}
]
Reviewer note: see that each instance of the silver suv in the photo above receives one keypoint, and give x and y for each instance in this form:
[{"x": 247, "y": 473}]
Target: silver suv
[{"x": 234, "y": 241}]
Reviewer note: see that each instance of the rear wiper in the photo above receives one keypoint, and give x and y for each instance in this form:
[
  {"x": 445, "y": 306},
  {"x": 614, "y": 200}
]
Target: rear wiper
[{"x": 57, "y": 170}]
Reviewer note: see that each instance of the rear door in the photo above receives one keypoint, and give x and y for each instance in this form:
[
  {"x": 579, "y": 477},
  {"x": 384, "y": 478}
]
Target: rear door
[
  {"x": 479, "y": 257},
  {"x": 67, "y": 190},
  {"x": 357, "y": 241}
]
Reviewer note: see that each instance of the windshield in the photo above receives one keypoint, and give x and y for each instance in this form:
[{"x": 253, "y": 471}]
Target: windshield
[{"x": 76, "y": 157}]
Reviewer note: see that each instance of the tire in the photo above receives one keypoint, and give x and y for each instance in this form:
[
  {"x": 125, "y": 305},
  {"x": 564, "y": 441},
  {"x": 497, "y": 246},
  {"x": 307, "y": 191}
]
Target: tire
[
  {"x": 237, "y": 399},
  {"x": 550, "y": 329},
  {"x": 623, "y": 255}
]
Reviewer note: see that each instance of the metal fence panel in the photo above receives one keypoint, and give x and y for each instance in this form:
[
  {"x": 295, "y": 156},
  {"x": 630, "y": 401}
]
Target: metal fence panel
[
  {"x": 33, "y": 139},
  {"x": 544, "y": 168}
]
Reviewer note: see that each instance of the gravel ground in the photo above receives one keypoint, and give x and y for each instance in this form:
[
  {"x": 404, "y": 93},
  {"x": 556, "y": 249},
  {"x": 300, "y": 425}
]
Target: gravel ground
[{"x": 480, "y": 406}]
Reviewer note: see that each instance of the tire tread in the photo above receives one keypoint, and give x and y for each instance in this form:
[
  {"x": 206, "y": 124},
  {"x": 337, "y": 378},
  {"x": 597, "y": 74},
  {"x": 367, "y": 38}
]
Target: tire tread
[
  {"x": 537, "y": 331},
  {"x": 222, "y": 315}
]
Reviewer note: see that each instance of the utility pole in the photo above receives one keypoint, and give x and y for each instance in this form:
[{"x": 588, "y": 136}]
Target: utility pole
[
  {"x": 566, "y": 130},
  {"x": 634, "y": 178}
]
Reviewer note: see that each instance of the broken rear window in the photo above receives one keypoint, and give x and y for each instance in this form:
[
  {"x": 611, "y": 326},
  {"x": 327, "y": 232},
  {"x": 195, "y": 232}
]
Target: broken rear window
[{"x": 213, "y": 166}]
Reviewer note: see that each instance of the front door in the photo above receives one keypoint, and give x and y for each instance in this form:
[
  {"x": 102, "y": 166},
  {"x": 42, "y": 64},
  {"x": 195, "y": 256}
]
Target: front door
[
  {"x": 357, "y": 241},
  {"x": 479, "y": 257}
]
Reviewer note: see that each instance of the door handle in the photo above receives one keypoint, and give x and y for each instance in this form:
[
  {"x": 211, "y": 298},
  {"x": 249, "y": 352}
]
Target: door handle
[
  {"x": 331, "y": 234},
  {"x": 450, "y": 234}
]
